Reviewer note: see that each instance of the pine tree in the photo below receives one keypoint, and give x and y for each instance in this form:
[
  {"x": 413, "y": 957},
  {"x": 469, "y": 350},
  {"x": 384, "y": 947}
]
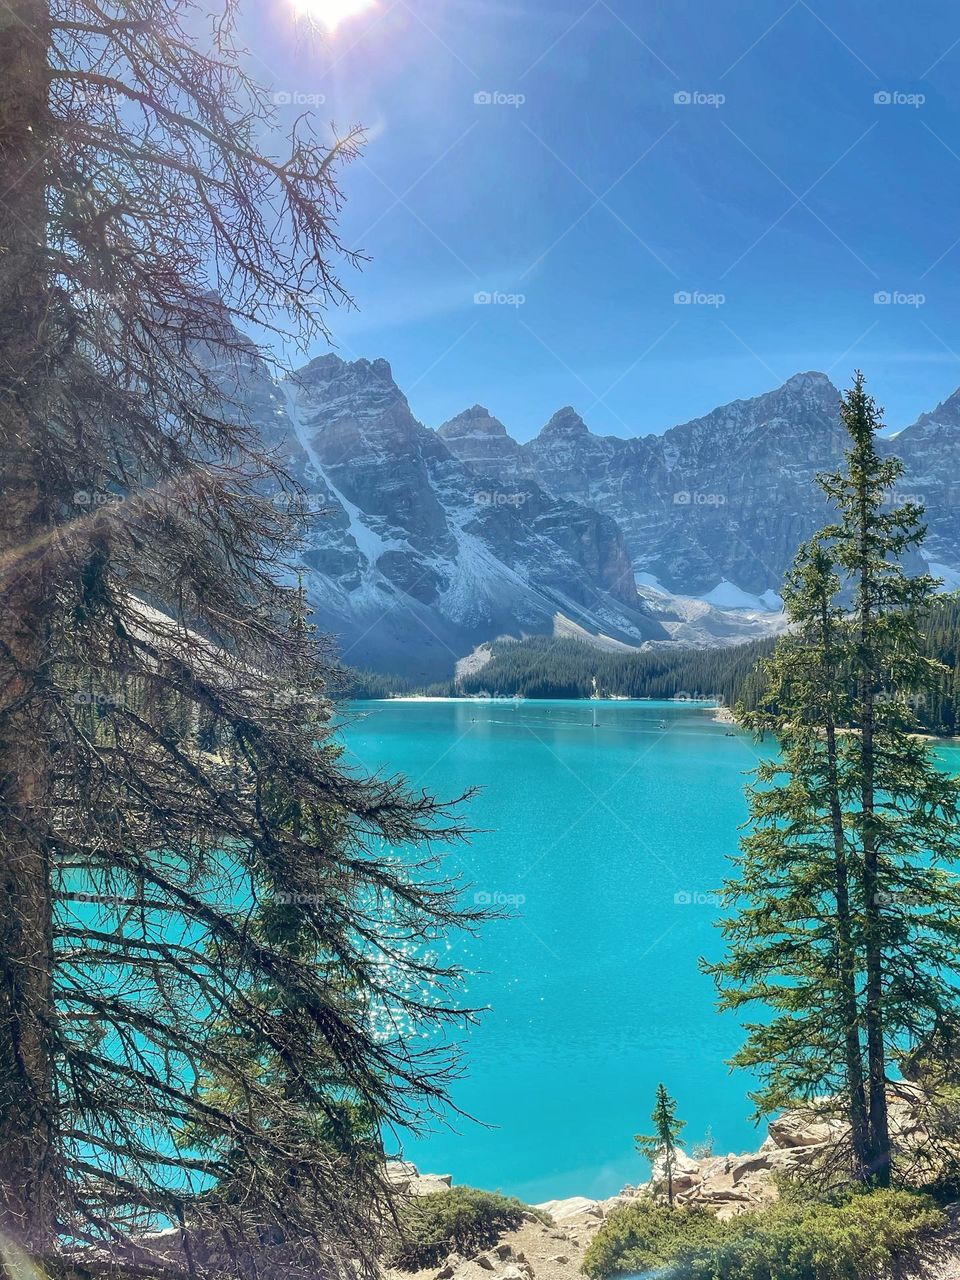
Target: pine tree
[
  {"x": 906, "y": 809},
  {"x": 846, "y": 901},
  {"x": 149, "y": 678},
  {"x": 792, "y": 942},
  {"x": 663, "y": 1142}
]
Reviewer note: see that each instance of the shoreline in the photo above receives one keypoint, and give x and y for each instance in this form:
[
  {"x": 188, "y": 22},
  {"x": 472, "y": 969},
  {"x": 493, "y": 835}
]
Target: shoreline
[{"x": 616, "y": 699}]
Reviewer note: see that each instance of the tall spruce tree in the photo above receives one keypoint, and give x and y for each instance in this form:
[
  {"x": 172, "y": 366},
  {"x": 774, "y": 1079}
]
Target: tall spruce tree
[
  {"x": 846, "y": 899},
  {"x": 150, "y": 678},
  {"x": 792, "y": 942}
]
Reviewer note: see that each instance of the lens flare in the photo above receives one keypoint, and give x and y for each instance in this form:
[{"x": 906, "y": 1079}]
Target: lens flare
[{"x": 331, "y": 13}]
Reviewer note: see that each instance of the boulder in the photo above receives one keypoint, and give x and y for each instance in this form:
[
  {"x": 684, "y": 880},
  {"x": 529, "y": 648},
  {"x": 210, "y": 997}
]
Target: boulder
[
  {"x": 686, "y": 1171},
  {"x": 804, "y": 1129},
  {"x": 746, "y": 1166},
  {"x": 401, "y": 1171},
  {"x": 571, "y": 1207},
  {"x": 407, "y": 1178}
]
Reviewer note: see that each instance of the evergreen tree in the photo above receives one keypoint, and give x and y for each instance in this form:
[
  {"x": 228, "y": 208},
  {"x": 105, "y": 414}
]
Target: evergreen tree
[
  {"x": 150, "y": 681},
  {"x": 663, "y": 1142},
  {"x": 906, "y": 810},
  {"x": 792, "y": 942},
  {"x": 847, "y": 903}
]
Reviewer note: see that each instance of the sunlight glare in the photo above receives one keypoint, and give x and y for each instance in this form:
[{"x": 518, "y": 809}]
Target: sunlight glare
[{"x": 331, "y": 13}]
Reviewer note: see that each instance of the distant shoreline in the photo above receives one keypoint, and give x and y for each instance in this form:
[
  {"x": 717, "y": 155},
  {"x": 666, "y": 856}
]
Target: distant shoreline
[
  {"x": 703, "y": 703},
  {"x": 721, "y": 715}
]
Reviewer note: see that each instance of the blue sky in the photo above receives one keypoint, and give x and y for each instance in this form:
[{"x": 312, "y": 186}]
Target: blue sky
[{"x": 584, "y": 197}]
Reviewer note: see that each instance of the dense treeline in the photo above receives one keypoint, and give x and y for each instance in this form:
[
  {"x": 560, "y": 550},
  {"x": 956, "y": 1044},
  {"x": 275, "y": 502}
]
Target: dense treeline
[
  {"x": 545, "y": 668},
  {"x": 542, "y": 667},
  {"x": 941, "y": 711}
]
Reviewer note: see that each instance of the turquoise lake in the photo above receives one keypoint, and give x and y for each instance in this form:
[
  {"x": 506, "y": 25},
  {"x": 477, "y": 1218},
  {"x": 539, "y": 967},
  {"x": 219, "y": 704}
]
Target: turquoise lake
[{"x": 606, "y": 843}]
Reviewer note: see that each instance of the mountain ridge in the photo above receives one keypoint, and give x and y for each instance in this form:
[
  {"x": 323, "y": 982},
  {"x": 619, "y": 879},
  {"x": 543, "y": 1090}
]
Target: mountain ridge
[{"x": 428, "y": 543}]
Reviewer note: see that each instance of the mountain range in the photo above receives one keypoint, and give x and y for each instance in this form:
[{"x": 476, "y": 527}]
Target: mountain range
[{"x": 425, "y": 544}]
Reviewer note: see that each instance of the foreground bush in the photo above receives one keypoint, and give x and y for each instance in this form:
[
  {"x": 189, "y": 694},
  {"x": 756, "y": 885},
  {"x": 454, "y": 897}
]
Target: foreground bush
[
  {"x": 860, "y": 1236},
  {"x": 461, "y": 1220}
]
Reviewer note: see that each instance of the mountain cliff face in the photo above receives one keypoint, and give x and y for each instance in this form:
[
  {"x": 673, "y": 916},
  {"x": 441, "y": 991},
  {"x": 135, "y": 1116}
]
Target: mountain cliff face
[
  {"x": 424, "y": 544},
  {"x": 930, "y": 448},
  {"x": 715, "y": 508},
  {"x": 726, "y": 497},
  {"x": 481, "y": 443},
  {"x": 412, "y": 559}
]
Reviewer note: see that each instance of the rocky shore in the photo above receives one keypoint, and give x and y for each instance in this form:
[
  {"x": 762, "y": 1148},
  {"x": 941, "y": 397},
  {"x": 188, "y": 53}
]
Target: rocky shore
[{"x": 726, "y": 1185}]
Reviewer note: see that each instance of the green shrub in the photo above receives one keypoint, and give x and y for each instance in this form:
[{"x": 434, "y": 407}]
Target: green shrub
[
  {"x": 461, "y": 1220},
  {"x": 855, "y": 1236}
]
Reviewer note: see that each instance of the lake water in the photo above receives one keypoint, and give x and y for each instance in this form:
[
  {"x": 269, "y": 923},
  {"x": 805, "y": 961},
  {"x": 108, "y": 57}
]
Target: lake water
[{"x": 607, "y": 841}]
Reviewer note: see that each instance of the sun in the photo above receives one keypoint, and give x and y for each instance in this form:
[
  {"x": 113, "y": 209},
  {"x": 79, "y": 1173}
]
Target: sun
[{"x": 331, "y": 13}]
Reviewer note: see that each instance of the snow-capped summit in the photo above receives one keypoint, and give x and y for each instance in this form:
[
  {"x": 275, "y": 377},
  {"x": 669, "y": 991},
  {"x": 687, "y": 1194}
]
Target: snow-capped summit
[{"x": 427, "y": 543}]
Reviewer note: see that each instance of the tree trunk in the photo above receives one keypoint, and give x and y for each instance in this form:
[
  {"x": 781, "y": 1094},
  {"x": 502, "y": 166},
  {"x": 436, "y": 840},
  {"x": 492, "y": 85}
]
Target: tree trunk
[
  {"x": 880, "y": 1154},
  {"x": 28, "y": 1179},
  {"x": 847, "y": 964},
  {"x": 846, "y": 952}
]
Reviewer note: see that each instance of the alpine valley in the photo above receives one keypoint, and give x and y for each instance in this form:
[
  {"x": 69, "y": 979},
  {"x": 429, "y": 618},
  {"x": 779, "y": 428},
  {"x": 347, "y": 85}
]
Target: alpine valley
[{"x": 425, "y": 544}]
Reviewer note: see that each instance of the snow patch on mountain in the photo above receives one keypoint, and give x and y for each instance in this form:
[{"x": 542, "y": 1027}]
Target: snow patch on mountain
[{"x": 727, "y": 595}]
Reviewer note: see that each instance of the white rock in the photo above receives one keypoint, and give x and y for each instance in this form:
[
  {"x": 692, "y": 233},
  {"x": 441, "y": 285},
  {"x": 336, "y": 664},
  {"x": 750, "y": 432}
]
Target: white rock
[{"x": 560, "y": 1210}]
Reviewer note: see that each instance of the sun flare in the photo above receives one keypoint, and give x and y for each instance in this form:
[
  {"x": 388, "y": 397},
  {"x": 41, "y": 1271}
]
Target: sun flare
[{"x": 331, "y": 13}]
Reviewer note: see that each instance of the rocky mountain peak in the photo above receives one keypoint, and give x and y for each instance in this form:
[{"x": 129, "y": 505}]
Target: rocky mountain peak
[
  {"x": 481, "y": 442},
  {"x": 945, "y": 416},
  {"x": 355, "y": 397},
  {"x": 565, "y": 423},
  {"x": 331, "y": 370},
  {"x": 440, "y": 540},
  {"x": 475, "y": 421},
  {"x": 812, "y": 380}
]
